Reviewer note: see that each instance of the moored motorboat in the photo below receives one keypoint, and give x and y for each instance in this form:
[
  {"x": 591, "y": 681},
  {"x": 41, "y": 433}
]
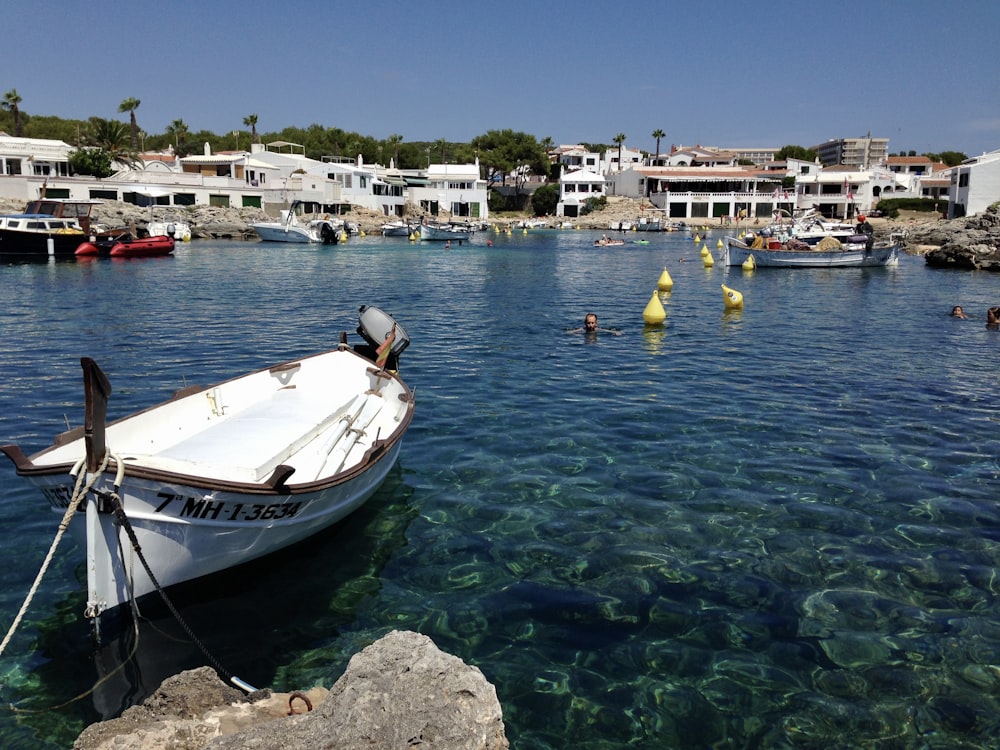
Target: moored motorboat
[
  {"x": 217, "y": 476},
  {"x": 444, "y": 232},
  {"x": 48, "y": 227},
  {"x": 397, "y": 229},
  {"x": 179, "y": 230},
  {"x": 289, "y": 228}
]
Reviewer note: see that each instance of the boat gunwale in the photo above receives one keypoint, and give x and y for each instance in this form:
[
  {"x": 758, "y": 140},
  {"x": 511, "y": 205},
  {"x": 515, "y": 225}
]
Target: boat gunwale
[{"x": 273, "y": 485}]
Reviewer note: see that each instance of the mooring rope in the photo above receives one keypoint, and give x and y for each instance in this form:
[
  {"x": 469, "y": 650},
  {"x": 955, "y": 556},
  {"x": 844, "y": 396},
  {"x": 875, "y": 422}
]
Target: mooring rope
[{"x": 84, "y": 483}]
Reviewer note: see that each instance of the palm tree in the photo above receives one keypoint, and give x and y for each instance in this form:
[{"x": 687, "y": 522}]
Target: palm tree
[
  {"x": 10, "y": 101},
  {"x": 178, "y": 129},
  {"x": 394, "y": 140},
  {"x": 658, "y": 134},
  {"x": 619, "y": 139},
  {"x": 112, "y": 137},
  {"x": 130, "y": 105},
  {"x": 442, "y": 144},
  {"x": 251, "y": 122}
]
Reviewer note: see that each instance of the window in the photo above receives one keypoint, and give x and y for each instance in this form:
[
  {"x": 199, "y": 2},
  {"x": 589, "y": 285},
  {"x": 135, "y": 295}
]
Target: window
[
  {"x": 963, "y": 179},
  {"x": 13, "y": 166}
]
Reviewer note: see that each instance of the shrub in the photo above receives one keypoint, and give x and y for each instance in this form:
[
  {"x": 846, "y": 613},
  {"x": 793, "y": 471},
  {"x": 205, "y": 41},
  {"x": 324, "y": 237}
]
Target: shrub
[
  {"x": 593, "y": 204},
  {"x": 544, "y": 200},
  {"x": 891, "y": 207}
]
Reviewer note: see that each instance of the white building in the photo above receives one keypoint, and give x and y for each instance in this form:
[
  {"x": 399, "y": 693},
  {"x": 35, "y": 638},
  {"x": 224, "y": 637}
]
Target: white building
[
  {"x": 33, "y": 156},
  {"x": 975, "y": 185},
  {"x": 577, "y": 157},
  {"x": 574, "y": 190},
  {"x": 630, "y": 157},
  {"x": 455, "y": 188}
]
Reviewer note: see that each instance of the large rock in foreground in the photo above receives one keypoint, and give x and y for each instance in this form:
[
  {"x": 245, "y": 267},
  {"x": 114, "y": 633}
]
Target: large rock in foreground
[{"x": 399, "y": 692}]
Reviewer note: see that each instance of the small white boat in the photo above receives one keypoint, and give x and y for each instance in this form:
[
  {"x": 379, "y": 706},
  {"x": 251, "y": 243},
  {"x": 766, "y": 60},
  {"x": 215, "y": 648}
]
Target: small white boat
[
  {"x": 289, "y": 228},
  {"x": 855, "y": 252},
  {"x": 444, "y": 232},
  {"x": 217, "y": 476},
  {"x": 397, "y": 229},
  {"x": 179, "y": 230},
  {"x": 532, "y": 224}
]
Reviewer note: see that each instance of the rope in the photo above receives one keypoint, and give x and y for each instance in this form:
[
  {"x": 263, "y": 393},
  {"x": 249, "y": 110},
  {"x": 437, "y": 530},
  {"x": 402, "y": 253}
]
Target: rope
[
  {"x": 84, "y": 483},
  {"x": 83, "y": 486},
  {"x": 122, "y": 519}
]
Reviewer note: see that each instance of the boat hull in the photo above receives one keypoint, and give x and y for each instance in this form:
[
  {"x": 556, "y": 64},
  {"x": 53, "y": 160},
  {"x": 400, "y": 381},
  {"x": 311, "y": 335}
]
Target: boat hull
[
  {"x": 226, "y": 474},
  {"x": 443, "y": 234},
  {"x": 396, "y": 230},
  {"x": 40, "y": 244},
  {"x": 277, "y": 232},
  {"x": 187, "y": 532},
  {"x": 880, "y": 254},
  {"x": 144, "y": 248}
]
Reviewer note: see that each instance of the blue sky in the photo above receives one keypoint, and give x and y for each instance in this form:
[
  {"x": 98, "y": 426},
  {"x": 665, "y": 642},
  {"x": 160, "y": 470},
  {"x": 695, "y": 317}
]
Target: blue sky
[{"x": 926, "y": 75}]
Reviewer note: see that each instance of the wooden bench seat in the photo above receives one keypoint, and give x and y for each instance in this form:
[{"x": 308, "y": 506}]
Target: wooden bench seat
[{"x": 249, "y": 445}]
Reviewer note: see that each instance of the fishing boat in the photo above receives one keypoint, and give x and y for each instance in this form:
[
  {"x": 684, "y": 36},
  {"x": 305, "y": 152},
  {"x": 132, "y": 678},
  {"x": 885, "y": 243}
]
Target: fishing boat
[
  {"x": 857, "y": 251},
  {"x": 215, "y": 477},
  {"x": 48, "y": 227},
  {"x": 146, "y": 247},
  {"x": 444, "y": 232}
]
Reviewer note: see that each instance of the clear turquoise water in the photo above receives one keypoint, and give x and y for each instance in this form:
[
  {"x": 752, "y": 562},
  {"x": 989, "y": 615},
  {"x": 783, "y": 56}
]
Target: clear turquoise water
[{"x": 769, "y": 528}]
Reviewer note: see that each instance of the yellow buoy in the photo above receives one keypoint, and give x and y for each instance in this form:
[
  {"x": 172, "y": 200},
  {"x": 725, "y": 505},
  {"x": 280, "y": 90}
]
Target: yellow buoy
[
  {"x": 697, "y": 237},
  {"x": 654, "y": 314},
  {"x": 719, "y": 243},
  {"x": 343, "y": 236},
  {"x": 524, "y": 231},
  {"x": 704, "y": 250},
  {"x": 749, "y": 264},
  {"x": 665, "y": 284},
  {"x": 363, "y": 233},
  {"x": 708, "y": 260},
  {"x": 731, "y": 297}
]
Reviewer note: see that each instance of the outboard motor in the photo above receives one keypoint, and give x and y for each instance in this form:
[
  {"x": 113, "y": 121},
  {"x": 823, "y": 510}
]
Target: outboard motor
[{"x": 374, "y": 326}]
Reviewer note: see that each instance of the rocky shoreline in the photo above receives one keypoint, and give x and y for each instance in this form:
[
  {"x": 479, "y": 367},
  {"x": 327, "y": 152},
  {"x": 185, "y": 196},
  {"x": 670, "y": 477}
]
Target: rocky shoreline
[{"x": 971, "y": 243}]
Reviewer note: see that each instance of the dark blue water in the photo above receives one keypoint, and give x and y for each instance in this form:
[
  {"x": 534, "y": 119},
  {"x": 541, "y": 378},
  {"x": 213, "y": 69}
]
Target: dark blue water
[{"x": 769, "y": 528}]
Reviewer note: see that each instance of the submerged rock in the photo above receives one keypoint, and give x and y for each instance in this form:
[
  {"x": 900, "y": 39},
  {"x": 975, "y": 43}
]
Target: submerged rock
[{"x": 399, "y": 692}]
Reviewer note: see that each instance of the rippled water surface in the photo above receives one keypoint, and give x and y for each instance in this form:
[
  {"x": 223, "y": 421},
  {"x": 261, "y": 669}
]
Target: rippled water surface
[{"x": 772, "y": 528}]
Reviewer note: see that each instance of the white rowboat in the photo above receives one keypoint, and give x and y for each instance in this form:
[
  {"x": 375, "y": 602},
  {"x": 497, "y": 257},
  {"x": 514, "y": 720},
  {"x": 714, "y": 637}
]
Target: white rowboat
[{"x": 218, "y": 476}]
